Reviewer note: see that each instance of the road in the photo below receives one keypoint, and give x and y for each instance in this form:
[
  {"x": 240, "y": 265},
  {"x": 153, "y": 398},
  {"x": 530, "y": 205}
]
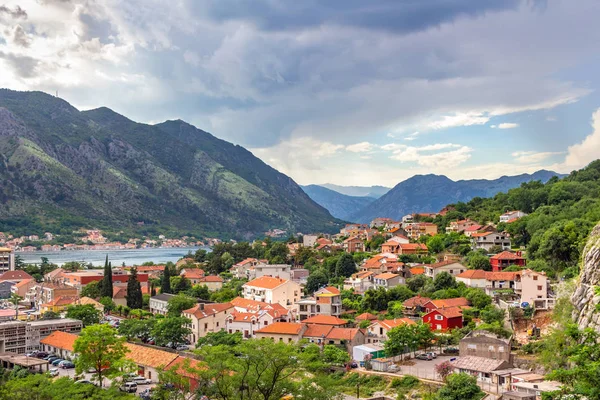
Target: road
[{"x": 91, "y": 377}]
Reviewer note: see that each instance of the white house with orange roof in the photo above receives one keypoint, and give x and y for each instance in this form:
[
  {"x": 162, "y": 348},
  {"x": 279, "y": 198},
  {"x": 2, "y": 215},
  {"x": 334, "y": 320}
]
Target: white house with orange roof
[
  {"x": 273, "y": 290},
  {"x": 286, "y": 332},
  {"x": 378, "y": 330},
  {"x": 249, "y": 322},
  {"x": 473, "y": 278},
  {"x": 207, "y": 318},
  {"x": 360, "y": 281},
  {"x": 240, "y": 270},
  {"x": 325, "y": 301},
  {"x": 511, "y": 216},
  {"x": 212, "y": 282},
  {"x": 193, "y": 274},
  {"x": 452, "y": 267},
  {"x": 387, "y": 280}
]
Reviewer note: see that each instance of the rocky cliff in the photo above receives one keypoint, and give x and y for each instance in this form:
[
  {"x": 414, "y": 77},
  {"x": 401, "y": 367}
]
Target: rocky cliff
[{"x": 586, "y": 297}]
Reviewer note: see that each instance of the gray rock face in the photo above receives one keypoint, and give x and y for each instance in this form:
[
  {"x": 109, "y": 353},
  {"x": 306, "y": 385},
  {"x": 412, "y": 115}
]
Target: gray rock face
[{"x": 585, "y": 298}]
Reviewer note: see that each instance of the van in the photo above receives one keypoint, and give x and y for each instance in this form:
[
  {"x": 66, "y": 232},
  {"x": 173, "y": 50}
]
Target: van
[{"x": 128, "y": 387}]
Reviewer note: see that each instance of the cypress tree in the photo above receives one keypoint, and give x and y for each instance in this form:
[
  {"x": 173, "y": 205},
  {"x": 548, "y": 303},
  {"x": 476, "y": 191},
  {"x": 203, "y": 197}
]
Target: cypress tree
[
  {"x": 134, "y": 291},
  {"x": 165, "y": 284},
  {"x": 106, "y": 289}
]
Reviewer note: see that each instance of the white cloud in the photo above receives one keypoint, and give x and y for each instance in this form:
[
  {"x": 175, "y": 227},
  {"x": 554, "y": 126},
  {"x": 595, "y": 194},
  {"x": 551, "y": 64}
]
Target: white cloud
[
  {"x": 551, "y": 118},
  {"x": 506, "y": 125},
  {"x": 459, "y": 119},
  {"x": 532, "y": 157},
  {"x": 361, "y": 147},
  {"x": 581, "y": 154},
  {"x": 426, "y": 155}
]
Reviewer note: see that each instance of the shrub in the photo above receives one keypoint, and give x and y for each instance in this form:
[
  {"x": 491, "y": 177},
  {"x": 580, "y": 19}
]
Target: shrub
[{"x": 406, "y": 382}]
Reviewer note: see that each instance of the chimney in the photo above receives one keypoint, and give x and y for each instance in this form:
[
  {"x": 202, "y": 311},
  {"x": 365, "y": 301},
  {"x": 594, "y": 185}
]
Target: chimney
[{"x": 202, "y": 306}]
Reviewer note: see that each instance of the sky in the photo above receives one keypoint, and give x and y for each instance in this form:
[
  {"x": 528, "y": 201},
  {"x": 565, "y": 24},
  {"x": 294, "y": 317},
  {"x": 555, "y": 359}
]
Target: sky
[{"x": 350, "y": 92}]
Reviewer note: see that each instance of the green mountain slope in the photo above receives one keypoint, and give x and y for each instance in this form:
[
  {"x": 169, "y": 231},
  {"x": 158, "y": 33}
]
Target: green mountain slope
[{"x": 60, "y": 167}]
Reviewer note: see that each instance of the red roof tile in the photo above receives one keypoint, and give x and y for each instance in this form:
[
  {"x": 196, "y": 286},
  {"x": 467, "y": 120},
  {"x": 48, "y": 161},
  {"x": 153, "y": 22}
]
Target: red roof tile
[
  {"x": 506, "y": 255},
  {"x": 317, "y": 331},
  {"x": 472, "y": 274},
  {"x": 325, "y": 320},
  {"x": 282, "y": 328},
  {"x": 445, "y": 303},
  {"x": 343, "y": 333},
  {"x": 60, "y": 340},
  {"x": 266, "y": 282}
]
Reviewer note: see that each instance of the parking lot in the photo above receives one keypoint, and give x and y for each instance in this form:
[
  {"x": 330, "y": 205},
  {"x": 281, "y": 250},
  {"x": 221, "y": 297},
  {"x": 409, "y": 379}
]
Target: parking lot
[
  {"x": 423, "y": 368},
  {"x": 91, "y": 377}
]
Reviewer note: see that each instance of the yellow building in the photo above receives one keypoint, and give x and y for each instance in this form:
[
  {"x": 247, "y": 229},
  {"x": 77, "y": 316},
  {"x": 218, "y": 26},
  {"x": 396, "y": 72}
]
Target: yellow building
[{"x": 7, "y": 259}]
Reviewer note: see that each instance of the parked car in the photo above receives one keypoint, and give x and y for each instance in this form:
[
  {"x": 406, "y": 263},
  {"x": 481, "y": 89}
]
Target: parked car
[
  {"x": 393, "y": 368},
  {"x": 140, "y": 380},
  {"x": 182, "y": 347},
  {"x": 53, "y": 371},
  {"x": 57, "y": 361},
  {"x": 128, "y": 387},
  {"x": 424, "y": 356},
  {"x": 451, "y": 350},
  {"x": 41, "y": 354},
  {"x": 50, "y": 358},
  {"x": 66, "y": 365},
  {"x": 354, "y": 364},
  {"x": 433, "y": 354},
  {"x": 84, "y": 382}
]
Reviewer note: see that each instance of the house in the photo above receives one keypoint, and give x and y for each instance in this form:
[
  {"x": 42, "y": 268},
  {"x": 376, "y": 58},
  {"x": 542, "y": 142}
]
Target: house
[
  {"x": 348, "y": 337},
  {"x": 249, "y": 322},
  {"x": 378, "y": 330},
  {"x": 473, "y": 278},
  {"x": 82, "y": 301},
  {"x": 158, "y": 304},
  {"x": 387, "y": 280},
  {"x": 240, "y": 269},
  {"x": 326, "y": 301},
  {"x": 15, "y": 276},
  {"x": 488, "y": 240},
  {"x": 480, "y": 367},
  {"x": 359, "y": 281},
  {"x": 379, "y": 262},
  {"x": 272, "y": 290},
  {"x": 460, "y": 226},
  {"x": 59, "y": 304},
  {"x": 7, "y": 259},
  {"x": 452, "y": 267},
  {"x": 505, "y": 259},
  {"x": 309, "y": 240},
  {"x": 445, "y": 303},
  {"x": 415, "y": 305},
  {"x": 59, "y": 343},
  {"x": 380, "y": 222},
  {"x": 207, "y": 318},
  {"x": 496, "y": 281},
  {"x": 325, "y": 320},
  {"x": 317, "y": 333},
  {"x": 300, "y": 275},
  {"x": 536, "y": 388},
  {"x": 352, "y": 229},
  {"x": 417, "y": 270},
  {"x": 365, "y": 317},
  {"x": 418, "y": 229},
  {"x": 38, "y": 330},
  {"x": 23, "y": 287},
  {"x": 486, "y": 344},
  {"x": 444, "y": 319},
  {"x": 393, "y": 244},
  {"x": 322, "y": 241},
  {"x": 283, "y": 271},
  {"x": 212, "y": 282},
  {"x": 287, "y": 332},
  {"x": 353, "y": 244},
  {"x": 193, "y": 274},
  {"x": 149, "y": 360},
  {"x": 534, "y": 290},
  {"x": 511, "y": 216},
  {"x": 412, "y": 248},
  {"x": 6, "y": 289}
]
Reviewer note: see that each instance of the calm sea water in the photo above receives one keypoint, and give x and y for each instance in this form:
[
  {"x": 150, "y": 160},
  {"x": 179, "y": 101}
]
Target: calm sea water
[{"x": 116, "y": 257}]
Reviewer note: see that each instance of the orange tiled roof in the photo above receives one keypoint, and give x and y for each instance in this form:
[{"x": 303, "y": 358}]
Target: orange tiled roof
[
  {"x": 483, "y": 234},
  {"x": 206, "y": 310},
  {"x": 443, "y": 264},
  {"x": 317, "y": 331},
  {"x": 450, "y": 312},
  {"x": 185, "y": 366},
  {"x": 60, "y": 340},
  {"x": 325, "y": 320},
  {"x": 416, "y": 301},
  {"x": 386, "y": 276},
  {"x": 391, "y": 243},
  {"x": 456, "y": 302},
  {"x": 343, "y": 333},
  {"x": 248, "y": 304},
  {"x": 193, "y": 273},
  {"x": 417, "y": 270},
  {"x": 14, "y": 275},
  {"x": 392, "y": 323},
  {"x": 61, "y": 301},
  {"x": 283, "y": 328},
  {"x": 413, "y": 246},
  {"x": 148, "y": 356},
  {"x": 501, "y": 276},
  {"x": 506, "y": 255},
  {"x": 24, "y": 282},
  {"x": 472, "y": 274},
  {"x": 243, "y": 317},
  {"x": 366, "y": 316},
  {"x": 246, "y": 261},
  {"x": 211, "y": 278},
  {"x": 266, "y": 282},
  {"x": 331, "y": 289}
]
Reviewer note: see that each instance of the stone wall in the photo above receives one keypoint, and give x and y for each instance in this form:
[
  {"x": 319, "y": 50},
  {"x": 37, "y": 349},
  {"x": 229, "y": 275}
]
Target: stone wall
[{"x": 584, "y": 298}]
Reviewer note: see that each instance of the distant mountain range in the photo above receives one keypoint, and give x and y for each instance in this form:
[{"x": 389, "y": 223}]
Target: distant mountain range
[
  {"x": 358, "y": 191},
  {"x": 61, "y": 168},
  {"x": 339, "y": 205},
  {"x": 431, "y": 193}
]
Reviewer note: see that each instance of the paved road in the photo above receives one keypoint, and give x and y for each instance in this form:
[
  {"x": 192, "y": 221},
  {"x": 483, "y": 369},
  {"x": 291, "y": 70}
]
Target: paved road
[{"x": 91, "y": 377}]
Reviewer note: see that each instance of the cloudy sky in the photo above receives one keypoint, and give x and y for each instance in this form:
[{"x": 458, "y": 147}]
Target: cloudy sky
[{"x": 350, "y": 92}]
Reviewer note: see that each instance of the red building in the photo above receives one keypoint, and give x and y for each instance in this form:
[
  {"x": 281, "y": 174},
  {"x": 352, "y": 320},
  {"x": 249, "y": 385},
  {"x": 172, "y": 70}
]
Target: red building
[
  {"x": 505, "y": 259},
  {"x": 444, "y": 319}
]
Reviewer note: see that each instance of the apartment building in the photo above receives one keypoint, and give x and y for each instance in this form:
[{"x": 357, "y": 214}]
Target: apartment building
[
  {"x": 272, "y": 290},
  {"x": 325, "y": 301},
  {"x": 207, "y": 318},
  {"x": 7, "y": 259},
  {"x": 487, "y": 240}
]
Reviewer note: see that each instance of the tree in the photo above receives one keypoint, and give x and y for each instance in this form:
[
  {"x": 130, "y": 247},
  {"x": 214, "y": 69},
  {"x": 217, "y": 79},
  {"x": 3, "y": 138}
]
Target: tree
[
  {"x": 134, "y": 291},
  {"x": 106, "y": 289},
  {"x": 108, "y": 303},
  {"x": 416, "y": 283},
  {"x": 334, "y": 355},
  {"x": 220, "y": 338},
  {"x": 435, "y": 244},
  {"x": 180, "y": 284},
  {"x": 165, "y": 285},
  {"x": 345, "y": 266},
  {"x": 444, "y": 369},
  {"x": 99, "y": 347},
  {"x": 491, "y": 314},
  {"x": 137, "y": 328},
  {"x": 315, "y": 281},
  {"x": 178, "y": 303},
  {"x": 460, "y": 387},
  {"x": 200, "y": 292},
  {"x": 92, "y": 290},
  {"x": 50, "y": 315},
  {"x": 400, "y": 338},
  {"x": 443, "y": 281},
  {"x": 477, "y": 260},
  {"x": 86, "y": 313},
  {"x": 171, "y": 330},
  {"x": 478, "y": 298}
]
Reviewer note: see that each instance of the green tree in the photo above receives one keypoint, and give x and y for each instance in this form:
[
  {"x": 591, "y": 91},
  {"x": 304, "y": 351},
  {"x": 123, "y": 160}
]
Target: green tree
[
  {"x": 180, "y": 284},
  {"x": 134, "y": 291},
  {"x": 178, "y": 303},
  {"x": 435, "y": 244},
  {"x": 137, "y": 328},
  {"x": 478, "y": 298},
  {"x": 99, "y": 347},
  {"x": 315, "y": 281},
  {"x": 92, "y": 290},
  {"x": 416, "y": 283},
  {"x": 460, "y": 387},
  {"x": 171, "y": 330},
  {"x": 220, "y": 338},
  {"x": 165, "y": 286},
  {"x": 443, "y": 281},
  {"x": 106, "y": 288},
  {"x": 334, "y": 355},
  {"x": 200, "y": 292},
  {"x": 491, "y": 314},
  {"x": 86, "y": 313},
  {"x": 400, "y": 338},
  {"x": 50, "y": 315},
  {"x": 345, "y": 266},
  {"x": 108, "y": 303}
]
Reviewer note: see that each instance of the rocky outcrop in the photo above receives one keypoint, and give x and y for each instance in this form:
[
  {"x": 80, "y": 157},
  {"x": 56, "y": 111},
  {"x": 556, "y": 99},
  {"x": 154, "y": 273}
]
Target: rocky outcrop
[{"x": 585, "y": 298}]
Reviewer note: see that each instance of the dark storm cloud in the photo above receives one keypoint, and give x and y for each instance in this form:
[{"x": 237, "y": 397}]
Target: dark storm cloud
[
  {"x": 24, "y": 66},
  {"x": 400, "y": 16},
  {"x": 17, "y": 12},
  {"x": 97, "y": 28}
]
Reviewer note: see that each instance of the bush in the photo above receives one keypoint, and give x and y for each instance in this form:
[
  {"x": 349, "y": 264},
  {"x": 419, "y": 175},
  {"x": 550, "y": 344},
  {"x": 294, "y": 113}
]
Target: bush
[{"x": 406, "y": 382}]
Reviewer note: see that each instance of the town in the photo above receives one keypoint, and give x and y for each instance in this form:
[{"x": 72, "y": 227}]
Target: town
[{"x": 376, "y": 295}]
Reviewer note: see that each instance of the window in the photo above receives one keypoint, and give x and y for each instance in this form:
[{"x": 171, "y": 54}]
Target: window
[
  {"x": 205, "y": 326},
  {"x": 439, "y": 318},
  {"x": 472, "y": 347},
  {"x": 535, "y": 278},
  {"x": 539, "y": 287},
  {"x": 491, "y": 348},
  {"x": 381, "y": 331},
  {"x": 266, "y": 323},
  {"x": 501, "y": 349},
  {"x": 217, "y": 324},
  {"x": 452, "y": 272}
]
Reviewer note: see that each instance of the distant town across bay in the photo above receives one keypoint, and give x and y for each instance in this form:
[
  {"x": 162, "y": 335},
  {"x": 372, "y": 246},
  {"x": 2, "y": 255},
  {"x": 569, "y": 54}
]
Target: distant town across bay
[{"x": 116, "y": 257}]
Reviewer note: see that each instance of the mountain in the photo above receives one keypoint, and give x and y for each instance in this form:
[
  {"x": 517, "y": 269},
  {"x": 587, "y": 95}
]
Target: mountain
[
  {"x": 64, "y": 168},
  {"x": 430, "y": 193},
  {"x": 358, "y": 191},
  {"x": 339, "y": 205}
]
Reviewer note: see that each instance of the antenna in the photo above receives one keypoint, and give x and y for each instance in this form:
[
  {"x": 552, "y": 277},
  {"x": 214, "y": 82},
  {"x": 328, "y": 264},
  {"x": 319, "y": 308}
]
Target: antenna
[{"x": 57, "y": 93}]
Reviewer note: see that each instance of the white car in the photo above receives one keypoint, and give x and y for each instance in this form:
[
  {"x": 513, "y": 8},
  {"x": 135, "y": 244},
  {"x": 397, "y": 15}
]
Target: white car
[
  {"x": 53, "y": 371},
  {"x": 393, "y": 368},
  {"x": 140, "y": 380}
]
